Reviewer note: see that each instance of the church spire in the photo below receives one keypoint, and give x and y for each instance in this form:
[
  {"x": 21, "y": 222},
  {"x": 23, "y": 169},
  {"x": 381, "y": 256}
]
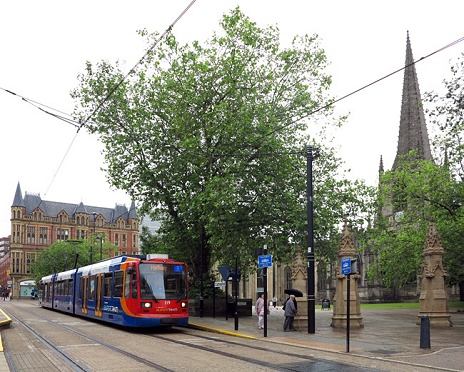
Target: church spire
[
  {"x": 413, "y": 130},
  {"x": 18, "y": 200}
]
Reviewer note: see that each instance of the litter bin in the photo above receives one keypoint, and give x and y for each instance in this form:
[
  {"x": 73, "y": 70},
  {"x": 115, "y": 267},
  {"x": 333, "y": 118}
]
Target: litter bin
[
  {"x": 244, "y": 307},
  {"x": 425, "y": 332},
  {"x": 325, "y": 304}
]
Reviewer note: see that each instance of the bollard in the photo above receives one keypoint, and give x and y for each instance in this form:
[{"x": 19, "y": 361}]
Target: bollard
[{"x": 425, "y": 332}]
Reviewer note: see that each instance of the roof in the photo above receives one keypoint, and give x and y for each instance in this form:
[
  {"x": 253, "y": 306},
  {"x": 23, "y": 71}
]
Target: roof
[{"x": 33, "y": 201}]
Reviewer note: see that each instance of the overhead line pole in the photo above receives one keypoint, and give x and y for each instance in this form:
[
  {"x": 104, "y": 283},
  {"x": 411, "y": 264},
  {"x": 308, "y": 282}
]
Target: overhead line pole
[{"x": 310, "y": 253}]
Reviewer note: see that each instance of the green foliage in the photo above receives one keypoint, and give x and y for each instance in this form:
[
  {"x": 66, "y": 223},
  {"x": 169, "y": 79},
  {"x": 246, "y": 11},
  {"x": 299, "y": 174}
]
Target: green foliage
[
  {"x": 61, "y": 256},
  {"x": 209, "y": 139},
  {"x": 447, "y": 117},
  {"x": 423, "y": 192}
]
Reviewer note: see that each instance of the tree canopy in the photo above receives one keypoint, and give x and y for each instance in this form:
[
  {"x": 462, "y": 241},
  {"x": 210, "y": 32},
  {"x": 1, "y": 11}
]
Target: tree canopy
[
  {"x": 209, "y": 138},
  {"x": 65, "y": 255},
  {"x": 422, "y": 192},
  {"x": 446, "y": 115}
]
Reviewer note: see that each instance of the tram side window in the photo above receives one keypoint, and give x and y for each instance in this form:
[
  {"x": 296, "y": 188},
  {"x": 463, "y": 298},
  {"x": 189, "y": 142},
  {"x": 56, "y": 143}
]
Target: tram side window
[
  {"x": 93, "y": 285},
  {"x": 70, "y": 287},
  {"x": 118, "y": 278},
  {"x": 107, "y": 285}
]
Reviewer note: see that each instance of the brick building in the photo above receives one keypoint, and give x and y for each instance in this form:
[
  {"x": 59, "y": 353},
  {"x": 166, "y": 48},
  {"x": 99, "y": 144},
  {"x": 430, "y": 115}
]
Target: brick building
[
  {"x": 36, "y": 224},
  {"x": 4, "y": 262}
]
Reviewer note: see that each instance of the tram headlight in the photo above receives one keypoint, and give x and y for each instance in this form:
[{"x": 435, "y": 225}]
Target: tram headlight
[
  {"x": 146, "y": 305},
  {"x": 183, "y": 304}
]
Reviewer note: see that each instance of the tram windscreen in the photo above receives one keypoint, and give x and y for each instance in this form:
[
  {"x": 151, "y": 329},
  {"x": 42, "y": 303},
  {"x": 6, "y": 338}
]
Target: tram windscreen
[{"x": 162, "y": 281}]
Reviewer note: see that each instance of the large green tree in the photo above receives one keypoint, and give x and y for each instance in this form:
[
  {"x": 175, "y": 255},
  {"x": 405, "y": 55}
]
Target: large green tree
[
  {"x": 210, "y": 138},
  {"x": 422, "y": 192}
]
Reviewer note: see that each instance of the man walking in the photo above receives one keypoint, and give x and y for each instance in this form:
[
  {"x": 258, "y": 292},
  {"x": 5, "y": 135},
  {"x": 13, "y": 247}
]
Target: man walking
[{"x": 290, "y": 312}]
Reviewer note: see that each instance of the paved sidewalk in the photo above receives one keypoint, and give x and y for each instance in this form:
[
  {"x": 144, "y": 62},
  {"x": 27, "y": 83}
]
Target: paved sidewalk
[
  {"x": 5, "y": 321},
  {"x": 390, "y": 335}
]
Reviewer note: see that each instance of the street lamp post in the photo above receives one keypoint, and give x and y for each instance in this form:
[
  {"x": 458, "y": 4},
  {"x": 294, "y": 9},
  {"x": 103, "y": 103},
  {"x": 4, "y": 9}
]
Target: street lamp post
[
  {"x": 310, "y": 156},
  {"x": 93, "y": 237},
  {"x": 101, "y": 247}
]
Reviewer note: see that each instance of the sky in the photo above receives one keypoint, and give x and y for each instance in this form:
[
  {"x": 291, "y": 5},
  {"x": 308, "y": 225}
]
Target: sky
[{"x": 45, "y": 45}]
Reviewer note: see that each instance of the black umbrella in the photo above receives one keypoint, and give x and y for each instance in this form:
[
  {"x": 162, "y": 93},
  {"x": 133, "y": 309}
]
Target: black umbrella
[{"x": 295, "y": 292}]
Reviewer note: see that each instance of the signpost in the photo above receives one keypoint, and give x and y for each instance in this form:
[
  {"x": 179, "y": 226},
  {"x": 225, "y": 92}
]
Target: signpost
[
  {"x": 265, "y": 261},
  {"x": 348, "y": 268}
]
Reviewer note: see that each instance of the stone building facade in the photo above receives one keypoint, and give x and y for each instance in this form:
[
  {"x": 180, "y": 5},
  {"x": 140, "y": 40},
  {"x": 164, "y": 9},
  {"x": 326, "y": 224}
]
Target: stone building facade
[{"x": 36, "y": 224}]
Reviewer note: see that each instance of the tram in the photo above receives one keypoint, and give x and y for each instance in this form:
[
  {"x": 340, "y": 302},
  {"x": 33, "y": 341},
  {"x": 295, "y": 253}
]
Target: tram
[{"x": 130, "y": 291}]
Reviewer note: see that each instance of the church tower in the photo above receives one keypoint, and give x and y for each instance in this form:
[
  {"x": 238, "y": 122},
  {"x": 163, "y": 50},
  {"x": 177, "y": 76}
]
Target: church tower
[
  {"x": 412, "y": 135},
  {"x": 413, "y": 130}
]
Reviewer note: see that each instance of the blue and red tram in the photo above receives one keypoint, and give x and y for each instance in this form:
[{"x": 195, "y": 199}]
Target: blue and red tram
[{"x": 132, "y": 291}]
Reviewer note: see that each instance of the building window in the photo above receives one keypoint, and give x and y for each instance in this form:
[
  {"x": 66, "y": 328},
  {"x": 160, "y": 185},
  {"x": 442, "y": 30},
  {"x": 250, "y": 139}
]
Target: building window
[
  {"x": 81, "y": 234},
  {"x": 16, "y": 234},
  {"x": 15, "y": 262},
  {"x": 288, "y": 278},
  {"x": 30, "y": 259},
  {"x": 43, "y": 235},
  {"x": 30, "y": 234},
  {"x": 62, "y": 234},
  {"x": 116, "y": 239},
  {"x": 124, "y": 242}
]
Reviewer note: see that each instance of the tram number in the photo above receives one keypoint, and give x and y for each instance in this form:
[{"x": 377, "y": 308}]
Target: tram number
[{"x": 158, "y": 268}]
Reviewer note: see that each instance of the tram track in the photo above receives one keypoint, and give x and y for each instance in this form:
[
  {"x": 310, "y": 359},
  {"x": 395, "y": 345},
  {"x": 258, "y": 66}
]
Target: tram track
[
  {"x": 69, "y": 360},
  {"x": 265, "y": 353},
  {"x": 72, "y": 362},
  {"x": 259, "y": 357},
  {"x": 70, "y": 339}
]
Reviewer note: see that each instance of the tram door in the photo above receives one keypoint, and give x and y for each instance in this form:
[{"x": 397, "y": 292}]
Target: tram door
[
  {"x": 84, "y": 291},
  {"x": 99, "y": 299}
]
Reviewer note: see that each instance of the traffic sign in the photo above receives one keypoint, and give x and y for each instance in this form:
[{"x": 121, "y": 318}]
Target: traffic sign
[
  {"x": 346, "y": 266},
  {"x": 265, "y": 261}
]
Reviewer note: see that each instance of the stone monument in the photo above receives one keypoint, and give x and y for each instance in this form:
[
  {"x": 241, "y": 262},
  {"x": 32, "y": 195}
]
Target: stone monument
[
  {"x": 433, "y": 299},
  {"x": 339, "y": 318},
  {"x": 299, "y": 280}
]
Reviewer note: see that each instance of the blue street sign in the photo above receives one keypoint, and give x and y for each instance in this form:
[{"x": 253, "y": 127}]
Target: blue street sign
[
  {"x": 265, "y": 261},
  {"x": 346, "y": 266}
]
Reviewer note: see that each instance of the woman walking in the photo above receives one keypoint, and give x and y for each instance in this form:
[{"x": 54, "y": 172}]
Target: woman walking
[{"x": 259, "y": 308}]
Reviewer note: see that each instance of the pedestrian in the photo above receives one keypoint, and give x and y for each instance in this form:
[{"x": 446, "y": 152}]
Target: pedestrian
[
  {"x": 11, "y": 295},
  {"x": 259, "y": 308},
  {"x": 290, "y": 312},
  {"x": 294, "y": 302}
]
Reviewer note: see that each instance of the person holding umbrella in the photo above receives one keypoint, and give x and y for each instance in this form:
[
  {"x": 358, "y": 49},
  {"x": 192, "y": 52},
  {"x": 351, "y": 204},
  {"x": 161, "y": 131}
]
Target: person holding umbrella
[{"x": 290, "y": 312}]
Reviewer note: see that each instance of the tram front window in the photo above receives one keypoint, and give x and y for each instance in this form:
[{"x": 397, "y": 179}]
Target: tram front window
[{"x": 162, "y": 281}]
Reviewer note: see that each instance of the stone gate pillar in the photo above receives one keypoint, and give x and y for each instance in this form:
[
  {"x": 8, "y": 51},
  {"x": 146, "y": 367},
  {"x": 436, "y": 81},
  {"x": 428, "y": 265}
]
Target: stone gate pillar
[
  {"x": 340, "y": 305},
  {"x": 433, "y": 299},
  {"x": 299, "y": 281}
]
